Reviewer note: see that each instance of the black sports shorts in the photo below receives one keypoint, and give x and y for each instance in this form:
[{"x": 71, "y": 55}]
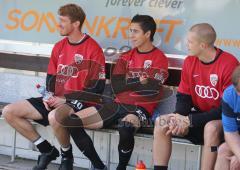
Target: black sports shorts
[
  {"x": 113, "y": 112},
  {"x": 37, "y": 103}
]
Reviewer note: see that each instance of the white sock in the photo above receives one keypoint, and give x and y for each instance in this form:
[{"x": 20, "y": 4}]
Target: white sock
[
  {"x": 38, "y": 141},
  {"x": 65, "y": 149}
]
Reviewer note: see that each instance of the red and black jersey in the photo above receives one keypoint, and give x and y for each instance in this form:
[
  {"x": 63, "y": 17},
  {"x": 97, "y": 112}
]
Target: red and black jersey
[
  {"x": 205, "y": 82},
  {"x": 134, "y": 64},
  {"x": 75, "y": 65}
]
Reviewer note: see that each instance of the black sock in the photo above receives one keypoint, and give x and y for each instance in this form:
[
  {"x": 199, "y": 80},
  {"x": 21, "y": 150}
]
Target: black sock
[
  {"x": 44, "y": 147},
  {"x": 126, "y": 144},
  {"x": 160, "y": 167},
  {"x": 68, "y": 153},
  {"x": 85, "y": 144}
]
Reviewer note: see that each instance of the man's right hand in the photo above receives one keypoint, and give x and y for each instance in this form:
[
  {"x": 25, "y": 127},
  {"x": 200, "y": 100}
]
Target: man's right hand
[
  {"x": 178, "y": 125},
  {"x": 46, "y": 105},
  {"x": 171, "y": 123}
]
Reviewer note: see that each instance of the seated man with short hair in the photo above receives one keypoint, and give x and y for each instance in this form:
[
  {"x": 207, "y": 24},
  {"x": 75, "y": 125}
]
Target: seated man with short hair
[{"x": 206, "y": 73}]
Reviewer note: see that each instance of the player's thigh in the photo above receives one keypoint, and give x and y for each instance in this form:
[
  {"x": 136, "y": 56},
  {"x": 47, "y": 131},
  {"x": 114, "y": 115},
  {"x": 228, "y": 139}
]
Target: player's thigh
[{"x": 23, "y": 109}]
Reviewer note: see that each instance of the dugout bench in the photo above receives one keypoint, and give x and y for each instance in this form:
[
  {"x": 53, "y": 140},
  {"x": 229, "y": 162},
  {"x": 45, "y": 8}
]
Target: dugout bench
[{"x": 39, "y": 63}]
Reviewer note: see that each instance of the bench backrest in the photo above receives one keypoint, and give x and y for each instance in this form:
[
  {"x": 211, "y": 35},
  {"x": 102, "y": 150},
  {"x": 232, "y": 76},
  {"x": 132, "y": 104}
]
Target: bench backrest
[{"x": 39, "y": 64}]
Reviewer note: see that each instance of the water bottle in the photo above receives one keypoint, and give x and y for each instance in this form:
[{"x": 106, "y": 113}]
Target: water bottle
[
  {"x": 140, "y": 165},
  {"x": 43, "y": 91}
]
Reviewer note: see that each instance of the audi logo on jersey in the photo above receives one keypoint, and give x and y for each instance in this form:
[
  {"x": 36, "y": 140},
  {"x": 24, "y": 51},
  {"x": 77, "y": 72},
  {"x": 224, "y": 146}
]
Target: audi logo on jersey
[
  {"x": 68, "y": 71},
  {"x": 207, "y": 92},
  {"x": 136, "y": 74}
]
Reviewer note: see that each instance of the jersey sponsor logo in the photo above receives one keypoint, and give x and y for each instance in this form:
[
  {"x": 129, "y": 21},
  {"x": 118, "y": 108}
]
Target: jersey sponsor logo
[
  {"x": 136, "y": 74},
  {"x": 101, "y": 76},
  {"x": 207, "y": 92},
  {"x": 214, "y": 79},
  {"x": 60, "y": 81},
  {"x": 68, "y": 71},
  {"x": 78, "y": 58},
  {"x": 147, "y": 64},
  {"x": 195, "y": 75},
  {"x": 130, "y": 63},
  {"x": 60, "y": 55}
]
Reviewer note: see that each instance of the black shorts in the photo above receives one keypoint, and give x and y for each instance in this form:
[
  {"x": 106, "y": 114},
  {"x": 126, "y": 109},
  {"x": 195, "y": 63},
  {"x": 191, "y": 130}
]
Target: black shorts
[
  {"x": 112, "y": 113},
  {"x": 37, "y": 103},
  {"x": 195, "y": 135}
]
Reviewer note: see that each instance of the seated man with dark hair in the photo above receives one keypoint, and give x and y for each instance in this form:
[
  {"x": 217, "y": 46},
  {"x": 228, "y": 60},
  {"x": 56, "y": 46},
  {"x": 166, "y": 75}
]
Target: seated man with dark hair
[{"x": 136, "y": 82}]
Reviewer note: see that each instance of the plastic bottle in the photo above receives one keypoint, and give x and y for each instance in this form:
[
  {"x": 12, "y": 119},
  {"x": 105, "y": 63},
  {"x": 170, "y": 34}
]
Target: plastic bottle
[
  {"x": 140, "y": 165},
  {"x": 43, "y": 91}
]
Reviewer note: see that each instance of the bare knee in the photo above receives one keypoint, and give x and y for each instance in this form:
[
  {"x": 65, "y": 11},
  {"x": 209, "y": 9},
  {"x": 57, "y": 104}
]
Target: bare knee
[
  {"x": 213, "y": 129},
  {"x": 224, "y": 151},
  {"x": 52, "y": 118},
  {"x": 57, "y": 118},
  {"x": 132, "y": 119},
  {"x": 160, "y": 125},
  {"x": 212, "y": 132},
  {"x": 8, "y": 112}
]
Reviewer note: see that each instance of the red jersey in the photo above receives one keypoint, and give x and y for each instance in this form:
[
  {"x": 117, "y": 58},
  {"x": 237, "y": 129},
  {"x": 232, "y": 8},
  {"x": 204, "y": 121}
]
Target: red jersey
[
  {"x": 76, "y": 64},
  {"x": 205, "y": 82},
  {"x": 153, "y": 65}
]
